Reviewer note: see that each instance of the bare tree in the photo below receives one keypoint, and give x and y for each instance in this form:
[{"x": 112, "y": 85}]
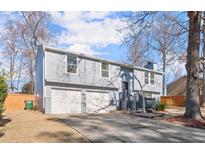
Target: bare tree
[
  {"x": 25, "y": 33},
  {"x": 9, "y": 40},
  {"x": 33, "y": 32},
  {"x": 177, "y": 73},
  {"x": 34, "y": 29},
  {"x": 192, "y": 67},
  {"x": 165, "y": 43},
  {"x": 154, "y": 31},
  {"x": 138, "y": 51},
  {"x": 136, "y": 35}
]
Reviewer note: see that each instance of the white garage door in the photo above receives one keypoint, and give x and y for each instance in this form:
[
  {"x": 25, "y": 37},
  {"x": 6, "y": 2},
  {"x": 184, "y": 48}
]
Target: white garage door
[
  {"x": 65, "y": 101},
  {"x": 96, "y": 101}
]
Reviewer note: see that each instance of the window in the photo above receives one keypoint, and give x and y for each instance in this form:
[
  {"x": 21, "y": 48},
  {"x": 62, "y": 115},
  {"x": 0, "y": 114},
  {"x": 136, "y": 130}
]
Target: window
[
  {"x": 72, "y": 62},
  {"x": 152, "y": 78},
  {"x": 146, "y": 75},
  {"x": 105, "y": 70},
  {"x": 149, "y": 78},
  {"x": 148, "y": 94}
]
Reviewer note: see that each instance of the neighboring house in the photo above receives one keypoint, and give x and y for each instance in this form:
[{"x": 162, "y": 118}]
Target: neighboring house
[
  {"x": 178, "y": 87},
  {"x": 67, "y": 82}
]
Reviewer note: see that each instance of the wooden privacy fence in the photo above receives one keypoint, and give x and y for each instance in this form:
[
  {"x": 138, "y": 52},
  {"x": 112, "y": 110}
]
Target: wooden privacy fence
[
  {"x": 17, "y": 101},
  {"x": 176, "y": 100}
]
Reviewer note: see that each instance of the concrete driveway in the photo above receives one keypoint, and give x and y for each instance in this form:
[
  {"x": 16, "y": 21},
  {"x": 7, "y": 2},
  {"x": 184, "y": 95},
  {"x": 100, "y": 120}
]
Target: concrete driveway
[
  {"x": 118, "y": 127},
  {"x": 33, "y": 126}
]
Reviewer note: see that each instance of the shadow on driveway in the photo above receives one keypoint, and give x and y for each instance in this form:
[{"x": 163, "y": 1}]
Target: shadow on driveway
[
  {"x": 59, "y": 136},
  {"x": 110, "y": 128},
  {"x": 3, "y": 121}
]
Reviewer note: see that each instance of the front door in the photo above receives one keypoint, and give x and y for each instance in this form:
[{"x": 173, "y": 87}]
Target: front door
[{"x": 125, "y": 90}]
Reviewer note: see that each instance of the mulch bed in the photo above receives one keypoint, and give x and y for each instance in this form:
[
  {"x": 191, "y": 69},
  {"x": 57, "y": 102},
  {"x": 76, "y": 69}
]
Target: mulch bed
[{"x": 187, "y": 122}]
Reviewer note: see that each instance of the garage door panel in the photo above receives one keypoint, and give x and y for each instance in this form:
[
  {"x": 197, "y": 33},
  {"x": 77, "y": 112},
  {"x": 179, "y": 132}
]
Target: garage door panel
[
  {"x": 69, "y": 101},
  {"x": 65, "y": 101},
  {"x": 58, "y": 104},
  {"x": 96, "y": 101},
  {"x": 74, "y": 105}
]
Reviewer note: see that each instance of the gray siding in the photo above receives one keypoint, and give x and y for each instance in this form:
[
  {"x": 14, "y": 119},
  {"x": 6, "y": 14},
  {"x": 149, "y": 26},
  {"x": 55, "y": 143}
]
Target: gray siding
[
  {"x": 51, "y": 73},
  {"x": 39, "y": 75},
  {"x": 157, "y": 87},
  {"x": 88, "y": 72}
]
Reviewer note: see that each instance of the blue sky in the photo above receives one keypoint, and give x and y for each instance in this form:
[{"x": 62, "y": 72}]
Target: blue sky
[
  {"x": 97, "y": 33},
  {"x": 92, "y": 33}
]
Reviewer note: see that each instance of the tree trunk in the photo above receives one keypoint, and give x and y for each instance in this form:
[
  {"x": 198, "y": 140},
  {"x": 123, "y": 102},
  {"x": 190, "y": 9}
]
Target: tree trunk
[
  {"x": 31, "y": 72},
  {"x": 203, "y": 104},
  {"x": 11, "y": 73},
  {"x": 164, "y": 72},
  {"x": 192, "y": 67}
]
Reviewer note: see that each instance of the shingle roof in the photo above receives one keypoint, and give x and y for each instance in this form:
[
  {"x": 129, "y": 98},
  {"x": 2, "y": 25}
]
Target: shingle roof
[{"x": 178, "y": 87}]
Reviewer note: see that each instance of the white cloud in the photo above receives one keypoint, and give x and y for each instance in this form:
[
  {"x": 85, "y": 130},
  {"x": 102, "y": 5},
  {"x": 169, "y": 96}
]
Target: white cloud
[
  {"x": 88, "y": 29},
  {"x": 81, "y": 48},
  {"x": 96, "y": 15},
  {"x": 85, "y": 49}
]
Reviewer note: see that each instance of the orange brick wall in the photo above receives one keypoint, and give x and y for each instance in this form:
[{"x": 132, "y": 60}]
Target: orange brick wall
[{"x": 16, "y": 101}]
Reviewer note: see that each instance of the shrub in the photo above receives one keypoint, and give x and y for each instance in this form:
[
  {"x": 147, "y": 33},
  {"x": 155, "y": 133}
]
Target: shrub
[
  {"x": 1, "y": 108},
  {"x": 3, "y": 92},
  {"x": 160, "y": 107}
]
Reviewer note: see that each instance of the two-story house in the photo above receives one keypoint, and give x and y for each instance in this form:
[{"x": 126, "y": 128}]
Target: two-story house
[{"x": 67, "y": 82}]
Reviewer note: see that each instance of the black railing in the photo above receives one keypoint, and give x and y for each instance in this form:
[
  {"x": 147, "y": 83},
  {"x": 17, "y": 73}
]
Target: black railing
[{"x": 136, "y": 101}]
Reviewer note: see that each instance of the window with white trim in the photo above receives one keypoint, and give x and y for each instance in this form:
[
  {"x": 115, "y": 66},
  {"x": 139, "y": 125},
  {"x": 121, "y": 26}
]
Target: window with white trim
[
  {"x": 146, "y": 77},
  {"x": 149, "y": 77},
  {"x": 72, "y": 63},
  {"x": 152, "y": 78},
  {"x": 105, "y": 72},
  {"x": 147, "y": 94}
]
